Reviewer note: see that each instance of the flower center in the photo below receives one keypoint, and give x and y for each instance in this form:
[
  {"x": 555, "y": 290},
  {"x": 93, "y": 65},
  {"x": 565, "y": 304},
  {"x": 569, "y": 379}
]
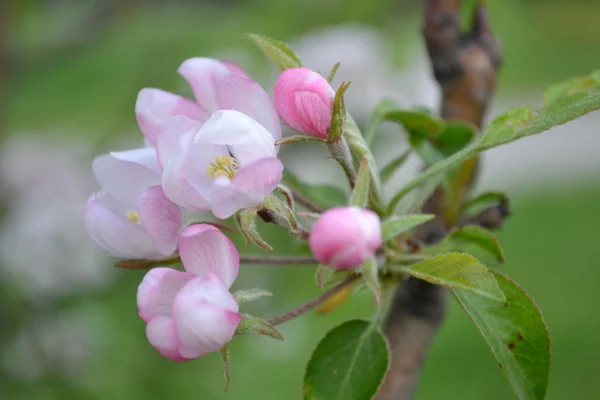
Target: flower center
[
  {"x": 223, "y": 166},
  {"x": 133, "y": 216}
]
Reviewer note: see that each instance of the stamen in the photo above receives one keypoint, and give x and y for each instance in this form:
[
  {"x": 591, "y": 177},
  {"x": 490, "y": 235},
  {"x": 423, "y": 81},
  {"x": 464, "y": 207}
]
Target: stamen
[
  {"x": 223, "y": 166},
  {"x": 133, "y": 216}
]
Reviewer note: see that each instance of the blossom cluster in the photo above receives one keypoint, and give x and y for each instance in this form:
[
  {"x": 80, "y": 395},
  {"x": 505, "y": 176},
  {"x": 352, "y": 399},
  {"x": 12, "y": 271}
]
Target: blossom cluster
[{"x": 217, "y": 154}]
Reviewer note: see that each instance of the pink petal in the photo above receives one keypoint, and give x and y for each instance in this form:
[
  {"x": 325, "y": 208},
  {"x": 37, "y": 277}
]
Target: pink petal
[
  {"x": 314, "y": 114},
  {"x": 161, "y": 217},
  {"x": 162, "y": 335},
  {"x": 175, "y": 178},
  {"x": 154, "y": 107},
  {"x": 158, "y": 289},
  {"x": 201, "y": 73},
  {"x": 204, "y": 248},
  {"x": 240, "y": 94},
  {"x": 171, "y": 132},
  {"x": 126, "y": 175},
  {"x": 248, "y": 188},
  {"x": 116, "y": 235},
  {"x": 206, "y": 316},
  {"x": 235, "y": 69}
]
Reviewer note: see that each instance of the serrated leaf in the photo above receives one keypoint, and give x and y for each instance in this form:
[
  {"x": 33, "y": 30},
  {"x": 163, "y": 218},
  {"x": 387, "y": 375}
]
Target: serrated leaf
[
  {"x": 249, "y": 324},
  {"x": 360, "y": 193},
  {"x": 473, "y": 240},
  {"x": 350, "y": 362},
  {"x": 482, "y": 202},
  {"x": 395, "y": 225},
  {"x": 565, "y": 102},
  {"x": 517, "y": 334},
  {"x": 390, "y": 168},
  {"x": 457, "y": 271},
  {"x": 325, "y": 196},
  {"x": 247, "y": 295},
  {"x": 278, "y": 52}
]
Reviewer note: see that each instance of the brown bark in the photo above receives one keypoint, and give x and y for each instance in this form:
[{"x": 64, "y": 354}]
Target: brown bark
[{"x": 465, "y": 65}]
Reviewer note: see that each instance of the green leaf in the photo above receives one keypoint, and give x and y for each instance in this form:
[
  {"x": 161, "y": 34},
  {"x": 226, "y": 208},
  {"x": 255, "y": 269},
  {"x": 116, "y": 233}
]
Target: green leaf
[
  {"x": 333, "y": 71},
  {"x": 324, "y": 196},
  {"x": 249, "y": 324},
  {"x": 370, "y": 272},
  {"x": 247, "y": 295},
  {"x": 424, "y": 192},
  {"x": 360, "y": 149},
  {"x": 338, "y": 116},
  {"x": 564, "y": 102},
  {"x": 482, "y": 202},
  {"x": 275, "y": 211},
  {"x": 395, "y": 225},
  {"x": 454, "y": 137},
  {"x": 360, "y": 194},
  {"x": 473, "y": 240},
  {"x": 323, "y": 275},
  {"x": 388, "y": 171},
  {"x": 457, "y": 271},
  {"x": 277, "y": 51},
  {"x": 517, "y": 335},
  {"x": 247, "y": 226},
  {"x": 350, "y": 362}
]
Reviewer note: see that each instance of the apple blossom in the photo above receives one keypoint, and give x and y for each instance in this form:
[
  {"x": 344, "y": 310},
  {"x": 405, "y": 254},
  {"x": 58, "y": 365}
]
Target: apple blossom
[
  {"x": 345, "y": 237},
  {"x": 192, "y": 313},
  {"x": 304, "y": 101},
  {"x": 130, "y": 217}
]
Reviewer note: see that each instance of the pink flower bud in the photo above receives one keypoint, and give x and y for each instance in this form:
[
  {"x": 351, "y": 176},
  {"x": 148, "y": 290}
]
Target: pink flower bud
[
  {"x": 345, "y": 237},
  {"x": 304, "y": 101}
]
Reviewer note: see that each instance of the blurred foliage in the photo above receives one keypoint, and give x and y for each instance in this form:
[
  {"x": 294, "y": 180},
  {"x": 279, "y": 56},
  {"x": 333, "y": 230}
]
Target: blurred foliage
[{"x": 76, "y": 69}]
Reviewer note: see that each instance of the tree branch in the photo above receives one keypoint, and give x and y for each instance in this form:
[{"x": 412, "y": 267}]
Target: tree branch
[{"x": 465, "y": 66}]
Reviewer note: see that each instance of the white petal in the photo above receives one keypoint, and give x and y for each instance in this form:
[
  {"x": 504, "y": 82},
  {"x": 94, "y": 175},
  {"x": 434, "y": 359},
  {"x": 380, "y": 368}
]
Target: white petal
[
  {"x": 158, "y": 289},
  {"x": 161, "y": 218},
  {"x": 170, "y": 134}
]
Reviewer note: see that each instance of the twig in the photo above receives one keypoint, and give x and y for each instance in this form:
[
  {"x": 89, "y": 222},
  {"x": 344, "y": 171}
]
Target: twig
[
  {"x": 277, "y": 260},
  {"x": 465, "y": 66},
  {"x": 314, "y": 302},
  {"x": 306, "y": 202}
]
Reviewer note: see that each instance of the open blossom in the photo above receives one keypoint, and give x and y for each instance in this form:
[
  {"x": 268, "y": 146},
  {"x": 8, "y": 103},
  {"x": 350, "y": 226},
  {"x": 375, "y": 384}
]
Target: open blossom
[
  {"x": 189, "y": 314},
  {"x": 130, "y": 217},
  {"x": 304, "y": 100},
  {"x": 345, "y": 237},
  {"x": 218, "y": 153}
]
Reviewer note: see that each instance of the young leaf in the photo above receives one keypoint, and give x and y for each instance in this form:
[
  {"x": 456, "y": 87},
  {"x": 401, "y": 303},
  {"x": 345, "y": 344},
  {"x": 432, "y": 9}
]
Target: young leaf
[
  {"x": 249, "y": 324},
  {"x": 245, "y": 296},
  {"x": 483, "y": 201},
  {"x": 350, "y": 362},
  {"x": 333, "y": 71},
  {"x": 388, "y": 171},
  {"x": 565, "y": 102},
  {"x": 245, "y": 222},
  {"x": 456, "y": 270},
  {"x": 370, "y": 272},
  {"x": 275, "y": 211},
  {"x": 473, "y": 240},
  {"x": 395, "y": 225},
  {"x": 517, "y": 335},
  {"x": 338, "y": 117},
  {"x": 277, "y": 51},
  {"x": 323, "y": 275},
  {"x": 324, "y": 196},
  {"x": 360, "y": 194}
]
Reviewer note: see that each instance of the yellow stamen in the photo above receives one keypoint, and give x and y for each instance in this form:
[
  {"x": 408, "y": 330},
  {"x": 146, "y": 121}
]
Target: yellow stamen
[
  {"x": 133, "y": 216},
  {"x": 223, "y": 166}
]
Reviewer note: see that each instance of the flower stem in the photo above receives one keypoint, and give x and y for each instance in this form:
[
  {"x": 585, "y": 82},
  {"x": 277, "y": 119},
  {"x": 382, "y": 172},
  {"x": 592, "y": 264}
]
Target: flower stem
[
  {"x": 340, "y": 151},
  {"x": 296, "y": 312},
  {"x": 146, "y": 264},
  {"x": 277, "y": 260},
  {"x": 306, "y": 202}
]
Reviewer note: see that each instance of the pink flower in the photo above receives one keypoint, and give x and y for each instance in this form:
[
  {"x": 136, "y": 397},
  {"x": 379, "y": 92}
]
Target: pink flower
[
  {"x": 130, "y": 217},
  {"x": 218, "y": 153},
  {"x": 189, "y": 314},
  {"x": 304, "y": 101},
  {"x": 345, "y": 237}
]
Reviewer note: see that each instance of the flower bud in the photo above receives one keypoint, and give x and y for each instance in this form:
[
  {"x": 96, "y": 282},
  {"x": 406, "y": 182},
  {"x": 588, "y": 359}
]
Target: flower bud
[
  {"x": 345, "y": 237},
  {"x": 304, "y": 101}
]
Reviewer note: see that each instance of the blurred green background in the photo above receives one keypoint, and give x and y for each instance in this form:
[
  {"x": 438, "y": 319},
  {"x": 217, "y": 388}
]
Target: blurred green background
[{"x": 70, "y": 76}]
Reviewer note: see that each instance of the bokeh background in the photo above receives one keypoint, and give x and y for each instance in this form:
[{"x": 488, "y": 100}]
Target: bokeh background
[{"x": 70, "y": 71}]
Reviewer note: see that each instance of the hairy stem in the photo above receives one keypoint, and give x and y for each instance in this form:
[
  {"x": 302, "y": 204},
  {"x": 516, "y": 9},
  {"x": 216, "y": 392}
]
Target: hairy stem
[
  {"x": 277, "y": 260},
  {"x": 340, "y": 151},
  {"x": 296, "y": 312}
]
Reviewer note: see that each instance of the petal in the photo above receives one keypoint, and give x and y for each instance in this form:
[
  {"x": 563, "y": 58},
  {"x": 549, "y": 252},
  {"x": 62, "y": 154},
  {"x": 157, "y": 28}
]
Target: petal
[
  {"x": 247, "y": 140},
  {"x": 158, "y": 289},
  {"x": 204, "y": 248},
  {"x": 171, "y": 132},
  {"x": 201, "y": 73},
  {"x": 235, "y": 69},
  {"x": 244, "y": 95},
  {"x": 162, "y": 335},
  {"x": 161, "y": 218},
  {"x": 314, "y": 114},
  {"x": 248, "y": 188},
  {"x": 175, "y": 178},
  {"x": 126, "y": 175},
  {"x": 116, "y": 235},
  {"x": 154, "y": 107},
  {"x": 206, "y": 316}
]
